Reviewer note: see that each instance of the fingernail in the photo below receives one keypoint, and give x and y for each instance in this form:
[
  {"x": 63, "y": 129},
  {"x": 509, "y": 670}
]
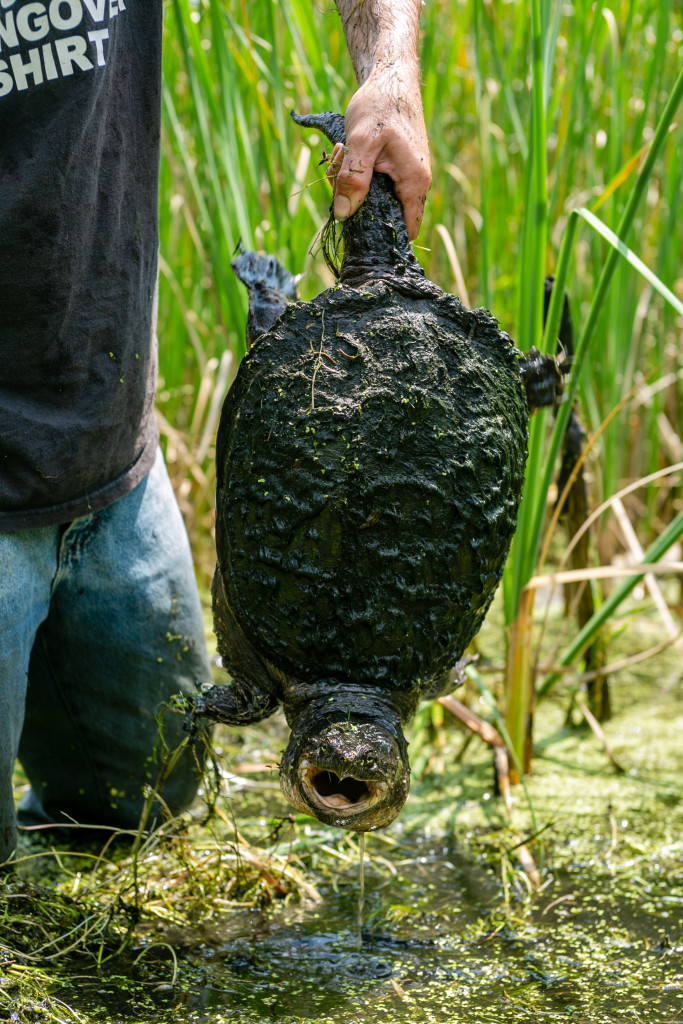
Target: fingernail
[{"x": 342, "y": 207}]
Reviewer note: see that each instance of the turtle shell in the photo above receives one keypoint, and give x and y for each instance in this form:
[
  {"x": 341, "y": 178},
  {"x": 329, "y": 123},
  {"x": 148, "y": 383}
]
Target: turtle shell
[{"x": 370, "y": 464}]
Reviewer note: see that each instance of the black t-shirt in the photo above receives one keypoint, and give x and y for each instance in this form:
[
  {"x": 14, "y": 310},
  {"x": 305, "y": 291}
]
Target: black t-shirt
[{"x": 80, "y": 109}]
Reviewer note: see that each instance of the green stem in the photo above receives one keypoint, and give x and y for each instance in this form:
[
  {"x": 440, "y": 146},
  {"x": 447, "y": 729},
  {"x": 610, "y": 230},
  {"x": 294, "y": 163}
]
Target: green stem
[
  {"x": 540, "y": 157},
  {"x": 539, "y": 235},
  {"x": 484, "y": 155}
]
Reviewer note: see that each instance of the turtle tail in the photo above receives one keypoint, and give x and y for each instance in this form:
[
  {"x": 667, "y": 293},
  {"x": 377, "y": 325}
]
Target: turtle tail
[
  {"x": 331, "y": 125},
  {"x": 375, "y": 238}
]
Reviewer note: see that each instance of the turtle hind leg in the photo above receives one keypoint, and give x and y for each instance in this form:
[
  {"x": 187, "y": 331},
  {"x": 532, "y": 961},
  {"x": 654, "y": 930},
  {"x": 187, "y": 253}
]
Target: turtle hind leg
[
  {"x": 271, "y": 288},
  {"x": 576, "y": 505},
  {"x": 251, "y": 694}
]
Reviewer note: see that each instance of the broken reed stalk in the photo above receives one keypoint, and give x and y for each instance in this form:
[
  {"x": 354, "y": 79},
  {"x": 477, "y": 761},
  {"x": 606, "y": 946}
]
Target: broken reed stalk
[
  {"x": 599, "y": 733},
  {"x": 551, "y": 666},
  {"x": 585, "y": 636}
]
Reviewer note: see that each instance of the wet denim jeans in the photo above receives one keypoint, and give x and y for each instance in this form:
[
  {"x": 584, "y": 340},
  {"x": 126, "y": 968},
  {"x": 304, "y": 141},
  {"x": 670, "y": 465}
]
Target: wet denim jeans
[{"x": 100, "y": 624}]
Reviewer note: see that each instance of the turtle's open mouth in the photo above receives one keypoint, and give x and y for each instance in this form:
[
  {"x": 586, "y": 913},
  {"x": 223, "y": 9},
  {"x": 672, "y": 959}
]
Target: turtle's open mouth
[
  {"x": 346, "y": 793},
  {"x": 350, "y": 774}
]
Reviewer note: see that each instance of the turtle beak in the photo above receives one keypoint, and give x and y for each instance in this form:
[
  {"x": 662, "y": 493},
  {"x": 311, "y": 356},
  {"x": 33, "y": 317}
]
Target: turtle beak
[{"x": 349, "y": 774}]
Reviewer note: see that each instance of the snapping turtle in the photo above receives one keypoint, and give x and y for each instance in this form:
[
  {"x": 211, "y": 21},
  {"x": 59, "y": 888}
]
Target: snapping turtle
[{"x": 370, "y": 463}]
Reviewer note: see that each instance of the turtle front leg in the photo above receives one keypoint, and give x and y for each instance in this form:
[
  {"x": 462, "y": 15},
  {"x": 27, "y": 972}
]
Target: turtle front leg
[
  {"x": 271, "y": 287},
  {"x": 251, "y": 694},
  {"x": 543, "y": 378},
  {"x": 235, "y": 703},
  {"x": 543, "y": 375}
]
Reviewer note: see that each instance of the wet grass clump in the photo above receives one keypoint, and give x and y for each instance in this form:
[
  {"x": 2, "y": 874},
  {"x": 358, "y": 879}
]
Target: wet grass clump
[{"x": 106, "y": 920}]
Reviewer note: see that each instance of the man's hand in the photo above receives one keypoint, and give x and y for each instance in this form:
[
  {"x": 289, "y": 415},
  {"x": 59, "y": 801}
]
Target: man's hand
[{"x": 385, "y": 129}]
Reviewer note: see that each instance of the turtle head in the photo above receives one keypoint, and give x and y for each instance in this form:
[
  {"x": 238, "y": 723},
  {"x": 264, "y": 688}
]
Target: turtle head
[{"x": 347, "y": 766}]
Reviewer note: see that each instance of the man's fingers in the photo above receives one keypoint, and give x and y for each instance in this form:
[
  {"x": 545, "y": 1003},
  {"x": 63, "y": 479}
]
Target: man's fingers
[
  {"x": 352, "y": 183},
  {"x": 412, "y": 193},
  {"x": 412, "y": 181},
  {"x": 335, "y": 161},
  {"x": 404, "y": 158},
  {"x": 413, "y": 211}
]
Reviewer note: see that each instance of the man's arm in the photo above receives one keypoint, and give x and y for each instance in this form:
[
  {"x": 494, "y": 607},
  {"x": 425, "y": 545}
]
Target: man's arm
[{"x": 385, "y": 128}]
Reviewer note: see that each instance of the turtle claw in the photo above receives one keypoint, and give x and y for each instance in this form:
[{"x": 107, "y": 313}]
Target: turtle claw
[{"x": 235, "y": 704}]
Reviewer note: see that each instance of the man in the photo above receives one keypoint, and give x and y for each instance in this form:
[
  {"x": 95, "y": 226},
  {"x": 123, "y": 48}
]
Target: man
[{"x": 100, "y": 620}]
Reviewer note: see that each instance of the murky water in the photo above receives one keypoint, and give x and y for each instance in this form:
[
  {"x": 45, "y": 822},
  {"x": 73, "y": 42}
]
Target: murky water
[
  {"x": 361, "y": 887},
  {"x": 438, "y": 944}
]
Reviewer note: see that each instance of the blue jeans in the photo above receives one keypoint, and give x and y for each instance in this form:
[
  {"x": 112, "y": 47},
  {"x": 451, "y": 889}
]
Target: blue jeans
[{"x": 100, "y": 623}]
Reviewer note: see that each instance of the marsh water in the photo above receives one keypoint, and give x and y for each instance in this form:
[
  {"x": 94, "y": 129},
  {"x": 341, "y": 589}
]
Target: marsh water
[
  {"x": 436, "y": 947},
  {"x": 451, "y": 931}
]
